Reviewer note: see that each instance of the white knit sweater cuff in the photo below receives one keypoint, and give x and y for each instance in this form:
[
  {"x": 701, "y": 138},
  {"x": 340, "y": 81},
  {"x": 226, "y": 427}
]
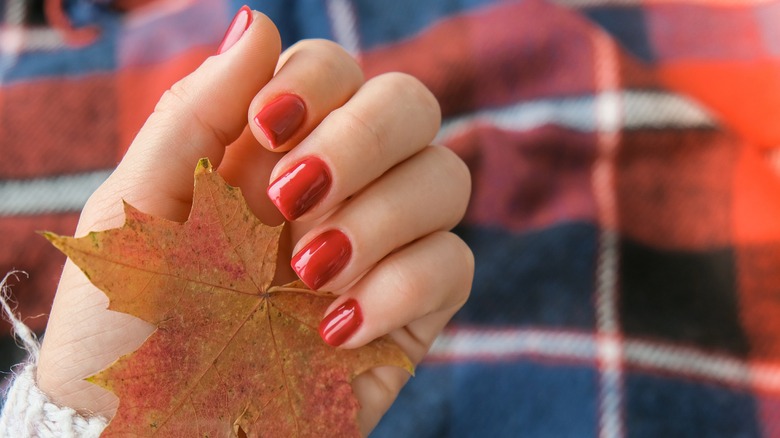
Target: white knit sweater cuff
[{"x": 29, "y": 413}]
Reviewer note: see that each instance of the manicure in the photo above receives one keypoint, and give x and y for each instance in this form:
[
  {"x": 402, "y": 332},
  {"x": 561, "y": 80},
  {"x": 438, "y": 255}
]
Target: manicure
[
  {"x": 237, "y": 27},
  {"x": 341, "y": 323},
  {"x": 280, "y": 118},
  {"x": 300, "y": 188},
  {"x": 322, "y": 258}
]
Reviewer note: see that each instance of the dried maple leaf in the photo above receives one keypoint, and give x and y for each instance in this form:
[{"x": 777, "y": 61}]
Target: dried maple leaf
[{"x": 231, "y": 354}]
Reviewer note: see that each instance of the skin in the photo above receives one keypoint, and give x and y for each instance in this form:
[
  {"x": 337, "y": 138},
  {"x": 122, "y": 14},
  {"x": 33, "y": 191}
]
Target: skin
[{"x": 393, "y": 195}]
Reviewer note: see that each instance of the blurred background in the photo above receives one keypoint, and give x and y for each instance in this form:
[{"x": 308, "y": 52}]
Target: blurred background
[{"x": 626, "y": 190}]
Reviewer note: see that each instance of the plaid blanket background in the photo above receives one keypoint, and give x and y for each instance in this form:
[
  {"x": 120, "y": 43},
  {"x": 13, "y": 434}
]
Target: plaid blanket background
[{"x": 625, "y": 214}]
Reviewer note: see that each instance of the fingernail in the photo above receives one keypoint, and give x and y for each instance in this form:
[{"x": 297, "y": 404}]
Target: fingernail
[
  {"x": 280, "y": 118},
  {"x": 237, "y": 27},
  {"x": 322, "y": 258},
  {"x": 341, "y": 323},
  {"x": 300, "y": 188}
]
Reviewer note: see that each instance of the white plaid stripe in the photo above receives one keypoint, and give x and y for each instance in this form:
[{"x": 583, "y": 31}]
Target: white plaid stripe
[
  {"x": 343, "y": 22},
  {"x": 641, "y": 109},
  {"x": 15, "y": 38},
  {"x": 608, "y": 122},
  {"x": 463, "y": 344},
  {"x": 60, "y": 194}
]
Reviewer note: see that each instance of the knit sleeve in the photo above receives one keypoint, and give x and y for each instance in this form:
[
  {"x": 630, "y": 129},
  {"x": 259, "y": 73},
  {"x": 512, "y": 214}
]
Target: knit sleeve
[{"x": 29, "y": 413}]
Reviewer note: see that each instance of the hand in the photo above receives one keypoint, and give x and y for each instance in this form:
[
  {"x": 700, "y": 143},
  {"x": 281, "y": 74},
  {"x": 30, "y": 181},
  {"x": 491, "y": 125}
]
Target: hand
[{"x": 380, "y": 198}]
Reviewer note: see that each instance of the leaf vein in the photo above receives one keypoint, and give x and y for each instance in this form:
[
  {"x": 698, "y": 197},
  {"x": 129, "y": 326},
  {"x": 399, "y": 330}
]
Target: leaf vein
[
  {"x": 233, "y": 247},
  {"x": 197, "y": 380},
  {"x": 284, "y": 375},
  {"x": 167, "y": 274}
]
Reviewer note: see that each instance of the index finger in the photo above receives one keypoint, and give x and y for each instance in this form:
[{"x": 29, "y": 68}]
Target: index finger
[{"x": 314, "y": 78}]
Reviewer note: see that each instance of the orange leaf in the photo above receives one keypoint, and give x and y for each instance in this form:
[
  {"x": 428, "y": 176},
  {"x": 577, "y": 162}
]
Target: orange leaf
[{"x": 231, "y": 352}]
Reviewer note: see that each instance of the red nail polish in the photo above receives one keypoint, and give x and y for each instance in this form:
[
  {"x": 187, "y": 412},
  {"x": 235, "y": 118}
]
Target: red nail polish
[
  {"x": 300, "y": 188},
  {"x": 322, "y": 258},
  {"x": 280, "y": 118},
  {"x": 237, "y": 27},
  {"x": 341, "y": 323}
]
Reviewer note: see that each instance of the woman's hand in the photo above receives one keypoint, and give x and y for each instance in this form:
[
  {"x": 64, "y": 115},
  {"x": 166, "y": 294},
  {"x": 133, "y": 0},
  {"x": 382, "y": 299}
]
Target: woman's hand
[{"x": 346, "y": 161}]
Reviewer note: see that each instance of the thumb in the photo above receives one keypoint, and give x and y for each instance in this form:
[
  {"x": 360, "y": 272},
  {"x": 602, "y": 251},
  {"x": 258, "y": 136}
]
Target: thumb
[{"x": 197, "y": 117}]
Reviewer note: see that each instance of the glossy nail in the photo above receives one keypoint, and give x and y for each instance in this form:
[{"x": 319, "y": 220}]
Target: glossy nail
[
  {"x": 300, "y": 188},
  {"x": 238, "y": 26},
  {"x": 341, "y": 323},
  {"x": 322, "y": 258},
  {"x": 280, "y": 118}
]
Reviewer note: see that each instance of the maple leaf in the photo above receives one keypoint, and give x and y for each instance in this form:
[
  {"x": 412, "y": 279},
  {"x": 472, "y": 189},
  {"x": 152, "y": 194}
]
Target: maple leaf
[{"x": 231, "y": 353}]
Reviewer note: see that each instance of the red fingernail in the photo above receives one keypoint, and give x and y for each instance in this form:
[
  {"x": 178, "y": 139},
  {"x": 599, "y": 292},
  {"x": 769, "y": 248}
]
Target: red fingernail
[
  {"x": 322, "y": 258},
  {"x": 300, "y": 188},
  {"x": 237, "y": 27},
  {"x": 280, "y": 118},
  {"x": 341, "y": 323}
]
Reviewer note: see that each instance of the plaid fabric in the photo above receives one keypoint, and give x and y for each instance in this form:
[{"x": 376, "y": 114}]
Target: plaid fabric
[{"x": 624, "y": 217}]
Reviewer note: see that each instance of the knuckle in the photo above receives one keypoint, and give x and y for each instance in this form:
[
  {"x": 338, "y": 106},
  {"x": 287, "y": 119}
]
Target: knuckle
[
  {"x": 457, "y": 171},
  {"x": 457, "y": 176},
  {"x": 329, "y": 49},
  {"x": 464, "y": 265},
  {"x": 330, "y": 57},
  {"x": 174, "y": 99},
  {"x": 315, "y": 45},
  {"x": 177, "y": 101},
  {"x": 405, "y": 282},
  {"x": 404, "y": 84},
  {"x": 363, "y": 131}
]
